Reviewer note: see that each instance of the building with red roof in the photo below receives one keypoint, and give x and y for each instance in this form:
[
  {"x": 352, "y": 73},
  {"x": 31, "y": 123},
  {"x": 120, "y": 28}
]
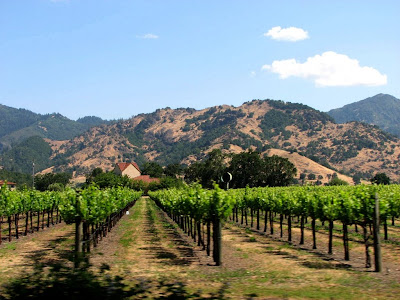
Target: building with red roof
[
  {"x": 130, "y": 169},
  {"x": 11, "y": 185}
]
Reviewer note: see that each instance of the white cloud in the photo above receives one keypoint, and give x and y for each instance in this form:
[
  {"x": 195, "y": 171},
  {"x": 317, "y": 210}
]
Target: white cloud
[
  {"x": 148, "y": 36},
  {"x": 329, "y": 69},
  {"x": 253, "y": 74},
  {"x": 291, "y": 34}
]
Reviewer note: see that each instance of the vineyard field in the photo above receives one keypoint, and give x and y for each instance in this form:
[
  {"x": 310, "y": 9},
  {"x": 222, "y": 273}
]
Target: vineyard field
[{"x": 146, "y": 246}]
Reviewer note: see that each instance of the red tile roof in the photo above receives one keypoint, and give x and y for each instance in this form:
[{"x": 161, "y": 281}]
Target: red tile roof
[
  {"x": 8, "y": 182},
  {"x": 146, "y": 178},
  {"x": 123, "y": 166}
]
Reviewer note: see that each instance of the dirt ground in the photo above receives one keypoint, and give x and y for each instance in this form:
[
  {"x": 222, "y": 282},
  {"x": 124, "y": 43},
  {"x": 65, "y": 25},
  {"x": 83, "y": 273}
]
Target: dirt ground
[{"x": 147, "y": 247}]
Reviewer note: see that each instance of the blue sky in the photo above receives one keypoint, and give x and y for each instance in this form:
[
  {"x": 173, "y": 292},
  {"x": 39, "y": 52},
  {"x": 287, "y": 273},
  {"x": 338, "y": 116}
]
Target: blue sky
[{"x": 116, "y": 59}]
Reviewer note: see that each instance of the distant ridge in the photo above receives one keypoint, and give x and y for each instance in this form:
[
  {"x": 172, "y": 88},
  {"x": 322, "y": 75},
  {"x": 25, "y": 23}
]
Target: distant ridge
[
  {"x": 381, "y": 110},
  {"x": 17, "y": 125}
]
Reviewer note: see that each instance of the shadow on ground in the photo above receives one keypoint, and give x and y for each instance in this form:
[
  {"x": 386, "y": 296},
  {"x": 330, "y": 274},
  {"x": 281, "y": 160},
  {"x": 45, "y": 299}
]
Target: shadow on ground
[
  {"x": 56, "y": 278},
  {"x": 57, "y": 281}
]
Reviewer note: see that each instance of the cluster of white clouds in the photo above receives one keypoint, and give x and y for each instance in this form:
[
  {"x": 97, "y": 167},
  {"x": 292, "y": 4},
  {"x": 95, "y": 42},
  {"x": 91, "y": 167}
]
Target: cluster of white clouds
[
  {"x": 148, "y": 36},
  {"x": 328, "y": 69},
  {"x": 291, "y": 34}
]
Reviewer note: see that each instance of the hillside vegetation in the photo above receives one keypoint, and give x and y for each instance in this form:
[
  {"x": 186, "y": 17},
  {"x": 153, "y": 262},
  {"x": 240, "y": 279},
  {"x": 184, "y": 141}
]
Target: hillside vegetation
[
  {"x": 312, "y": 139},
  {"x": 17, "y": 125},
  {"x": 381, "y": 110},
  {"x": 186, "y": 135}
]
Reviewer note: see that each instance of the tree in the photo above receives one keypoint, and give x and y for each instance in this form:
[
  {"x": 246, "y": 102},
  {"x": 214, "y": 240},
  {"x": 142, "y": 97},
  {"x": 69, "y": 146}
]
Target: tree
[
  {"x": 153, "y": 169},
  {"x": 194, "y": 172},
  {"x": 279, "y": 171},
  {"x": 357, "y": 178},
  {"x": 42, "y": 182},
  {"x": 311, "y": 176},
  {"x": 208, "y": 171},
  {"x": 173, "y": 170},
  {"x": 246, "y": 169},
  {"x": 337, "y": 181},
  {"x": 90, "y": 177},
  {"x": 109, "y": 179},
  {"x": 380, "y": 178}
]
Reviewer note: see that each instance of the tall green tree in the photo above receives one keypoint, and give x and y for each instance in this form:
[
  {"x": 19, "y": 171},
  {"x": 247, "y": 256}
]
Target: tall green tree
[
  {"x": 279, "y": 171},
  {"x": 208, "y": 171},
  {"x": 42, "y": 182},
  {"x": 173, "y": 170},
  {"x": 246, "y": 169},
  {"x": 153, "y": 169},
  {"x": 380, "y": 178}
]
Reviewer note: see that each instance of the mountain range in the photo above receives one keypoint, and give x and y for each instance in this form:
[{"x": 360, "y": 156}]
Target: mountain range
[{"x": 310, "y": 138}]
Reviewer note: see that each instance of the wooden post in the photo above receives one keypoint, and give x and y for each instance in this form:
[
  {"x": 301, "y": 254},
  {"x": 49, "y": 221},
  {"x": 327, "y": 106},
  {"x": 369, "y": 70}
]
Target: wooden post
[
  {"x": 78, "y": 242},
  {"x": 9, "y": 229},
  {"x": 16, "y": 217},
  {"x": 377, "y": 240},
  {"x": 346, "y": 242},
  {"x": 217, "y": 238},
  {"x": 302, "y": 230},
  {"x": 330, "y": 237},
  {"x": 208, "y": 237}
]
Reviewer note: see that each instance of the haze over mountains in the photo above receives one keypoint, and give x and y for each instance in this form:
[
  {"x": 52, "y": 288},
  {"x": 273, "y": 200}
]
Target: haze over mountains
[{"x": 184, "y": 135}]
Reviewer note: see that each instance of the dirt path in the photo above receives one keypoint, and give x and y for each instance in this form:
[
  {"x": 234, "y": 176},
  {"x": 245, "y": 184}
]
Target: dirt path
[{"x": 147, "y": 245}]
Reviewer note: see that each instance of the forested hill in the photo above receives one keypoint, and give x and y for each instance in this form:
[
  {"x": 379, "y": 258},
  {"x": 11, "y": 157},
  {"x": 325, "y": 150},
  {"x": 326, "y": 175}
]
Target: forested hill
[
  {"x": 382, "y": 110},
  {"x": 185, "y": 135},
  {"x": 17, "y": 125}
]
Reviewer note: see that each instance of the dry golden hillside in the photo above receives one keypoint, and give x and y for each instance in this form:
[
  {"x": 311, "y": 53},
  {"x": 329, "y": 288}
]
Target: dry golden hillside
[{"x": 186, "y": 135}]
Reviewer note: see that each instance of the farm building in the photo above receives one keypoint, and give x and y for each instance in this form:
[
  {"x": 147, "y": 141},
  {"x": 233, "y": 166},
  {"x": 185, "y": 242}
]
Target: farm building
[
  {"x": 129, "y": 169},
  {"x": 11, "y": 185}
]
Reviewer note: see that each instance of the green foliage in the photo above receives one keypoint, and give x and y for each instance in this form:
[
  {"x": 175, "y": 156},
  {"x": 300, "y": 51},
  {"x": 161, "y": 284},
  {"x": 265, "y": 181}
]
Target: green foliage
[
  {"x": 46, "y": 182},
  {"x": 247, "y": 169},
  {"x": 53, "y": 126},
  {"x": 92, "y": 121},
  {"x": 93, "y": 205},
  {"x": 56, "y": 187},
  {"x": 209, "y": 171},
  {"x": 279, "y": 171},
  {"x": 174, "y": 170},
  {"x": 337, "y": 181},
  {"x": 380, "y": 178},
  {"x": 382, "y": 110},
  {"x": 349, "y": 204},
  {"x": 20, "y": 158},
  {"x": 198, "y": 203},
  {"x": 311, "y": 176},
  {"x": 12, "y": 119},
  {"x": 109, "y": 180},
  {"x": 21, "y": 179},
  {"x": 153, "y": 169}
]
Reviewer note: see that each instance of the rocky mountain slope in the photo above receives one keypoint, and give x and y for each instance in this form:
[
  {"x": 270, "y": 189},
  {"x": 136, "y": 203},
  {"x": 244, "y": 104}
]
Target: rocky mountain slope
[{"x": 185, "y": 135}]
